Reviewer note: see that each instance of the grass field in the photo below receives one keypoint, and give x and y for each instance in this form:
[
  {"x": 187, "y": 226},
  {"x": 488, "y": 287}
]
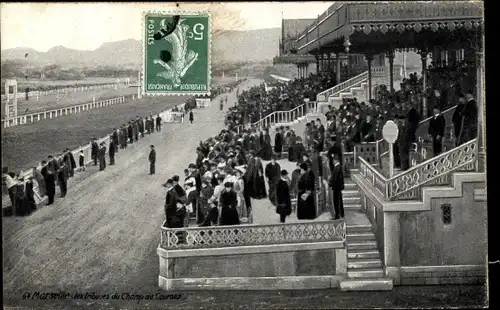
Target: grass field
[
  {"x": 33, "y": 83},
  {"x": 24, "y": 146},
  {"x": 50, "y": 102}
]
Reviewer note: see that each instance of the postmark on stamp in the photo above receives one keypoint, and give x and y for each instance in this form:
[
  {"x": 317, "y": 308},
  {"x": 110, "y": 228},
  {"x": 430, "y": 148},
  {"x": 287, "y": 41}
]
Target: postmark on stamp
[{"x": 176, "y": 53}]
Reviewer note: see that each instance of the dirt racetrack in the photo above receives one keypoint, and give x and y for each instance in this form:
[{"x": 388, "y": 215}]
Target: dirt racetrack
[{"x": 103, "y": 235}]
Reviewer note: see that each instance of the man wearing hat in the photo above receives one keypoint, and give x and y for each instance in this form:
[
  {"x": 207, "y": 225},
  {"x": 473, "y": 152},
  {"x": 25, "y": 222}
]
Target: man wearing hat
[
  {"x": 283, "y": 199},
  {"x": 278, "y": 141},
  {"x": 272, "y": 173},
  {"x": 172, "y": 220},
  {"x": 102, "y": 156},
  {"x": 152, "y": 160},
  {"x": 336, "y": 182},
  {"x": 195, "y": 174},
  {"x": 112, "y": 150}
]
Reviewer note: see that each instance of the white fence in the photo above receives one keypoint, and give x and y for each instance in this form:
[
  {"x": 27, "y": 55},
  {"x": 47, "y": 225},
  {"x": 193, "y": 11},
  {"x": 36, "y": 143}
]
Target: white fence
[
  {"x": 87, "y": 148},
  {"x": 35, "y": 117},
  {"x": 40, "y": 93}
]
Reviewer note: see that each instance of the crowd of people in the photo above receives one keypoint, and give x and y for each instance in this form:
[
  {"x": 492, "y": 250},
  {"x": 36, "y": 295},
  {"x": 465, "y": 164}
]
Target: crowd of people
[
  {"x": 229, "y": 171},
  {"x": 357, "y": 122},
  {"x": 255, "y": 103},
  {"x": 26, "y": 194}
]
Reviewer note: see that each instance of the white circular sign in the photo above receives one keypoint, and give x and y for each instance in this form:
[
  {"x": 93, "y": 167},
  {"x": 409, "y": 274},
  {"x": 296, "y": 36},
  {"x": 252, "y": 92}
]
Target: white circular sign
[
  {"x": 390, "y": 132},
  {"x": 306, "y": 99}
]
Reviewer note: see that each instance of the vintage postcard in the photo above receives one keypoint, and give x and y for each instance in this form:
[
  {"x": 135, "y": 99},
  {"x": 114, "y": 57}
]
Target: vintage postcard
[{"x": 244, "y": 155}]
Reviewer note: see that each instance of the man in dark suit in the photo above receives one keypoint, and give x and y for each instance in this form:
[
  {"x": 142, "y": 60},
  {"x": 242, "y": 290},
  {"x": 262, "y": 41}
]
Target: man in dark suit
[
  {"x": 94, "y": 150},
  {"x": 172, "y": 221},
  {"x": 50, "y": 183},
  {"x": 158, "y": 123},
  {"x": 437, "y": 126},
  {"x": 457, "y": 118},
  {"x": 112, "y": 150},
  {"x": 114, "y": 138},
  {"x": 152, "y": 160},
  {"x": 62, "y": 180},
  {"x": 367, "y": 130},
  {"x": 335, "y": 149},
  {"x": 337, "y": 185}
]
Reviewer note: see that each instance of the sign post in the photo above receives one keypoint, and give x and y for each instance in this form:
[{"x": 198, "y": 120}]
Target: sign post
[
  {"x": 390, "y": 133},
  {"x": 306, "y": 101}
]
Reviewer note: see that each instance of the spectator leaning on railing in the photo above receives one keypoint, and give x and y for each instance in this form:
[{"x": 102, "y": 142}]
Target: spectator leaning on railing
[{"x": 58, "y": 170}]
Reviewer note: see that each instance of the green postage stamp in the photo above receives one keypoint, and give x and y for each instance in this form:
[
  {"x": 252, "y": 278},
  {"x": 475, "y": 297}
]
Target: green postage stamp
[{"x": 176, "y": 53}]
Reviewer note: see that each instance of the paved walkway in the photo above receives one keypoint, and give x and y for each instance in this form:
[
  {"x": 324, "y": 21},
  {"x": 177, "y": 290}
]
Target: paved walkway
[{"x": 103, "y": 235}]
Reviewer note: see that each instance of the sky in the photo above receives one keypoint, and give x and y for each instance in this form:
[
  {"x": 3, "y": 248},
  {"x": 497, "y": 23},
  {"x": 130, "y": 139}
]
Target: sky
[{"x": 85, "y": 26}]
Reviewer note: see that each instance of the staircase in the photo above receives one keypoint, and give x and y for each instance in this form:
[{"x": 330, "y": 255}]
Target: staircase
[{"x": 364, "y": 264}]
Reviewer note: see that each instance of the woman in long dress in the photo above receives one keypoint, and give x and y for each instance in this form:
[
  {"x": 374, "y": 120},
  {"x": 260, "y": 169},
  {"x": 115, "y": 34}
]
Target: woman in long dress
[
  {"x": 229, "y": 201},
  {"x": 267, "y": 150},
  {"x": 258, "y": 179},
  {"x": 305, "y": 200}
]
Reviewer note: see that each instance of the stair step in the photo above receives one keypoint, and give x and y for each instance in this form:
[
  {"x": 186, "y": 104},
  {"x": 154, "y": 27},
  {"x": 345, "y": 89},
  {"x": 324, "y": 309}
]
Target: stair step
[
  {"x": 363, "y": 254},
  {"x": 350, "y": 186},
  {"x": 360, "y": 236},
  {"x": 364, "y": 263},
  {"x": 350, "y": 193},
  {"x": 365, "y": 273},
  {"x": 362, "y": 245},
  {"x": 359, "y": 228},
  {"x": 374, "y": 284},
  {"x": 351, "y": 200},
  {"x": 353, "y": 207}
]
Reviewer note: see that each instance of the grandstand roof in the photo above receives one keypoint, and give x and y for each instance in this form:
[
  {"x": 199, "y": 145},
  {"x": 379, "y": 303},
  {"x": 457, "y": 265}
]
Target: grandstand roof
[{"x": 293, "y": 27}]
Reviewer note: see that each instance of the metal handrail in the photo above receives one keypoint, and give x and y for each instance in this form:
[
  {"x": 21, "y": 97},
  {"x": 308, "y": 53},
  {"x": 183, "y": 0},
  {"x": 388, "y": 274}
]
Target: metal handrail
[
  {"x": 341, "y": 86},
  {"x": 276, "y": 113}
]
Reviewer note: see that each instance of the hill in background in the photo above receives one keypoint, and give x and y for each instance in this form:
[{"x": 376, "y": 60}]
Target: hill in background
[{"x": 227, "y": 46}]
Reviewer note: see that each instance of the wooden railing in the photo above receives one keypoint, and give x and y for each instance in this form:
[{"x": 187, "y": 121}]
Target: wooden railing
[
  {"x": 281, "y": 116},
  {"x": 36, "y": 117},
  {"x": 247, "y": 235}
]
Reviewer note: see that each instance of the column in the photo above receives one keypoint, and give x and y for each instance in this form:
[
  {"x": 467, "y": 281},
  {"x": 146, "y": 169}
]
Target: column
[
  {"x": 317, "y": 63},
  {"x": 337, "y": 69},
  {"x": 369, "y": 59},
  {"x": 392, "y": 235},
  {"x": 481, "y": 154},
  {"x": 390, "y": 56},
  {"x": 298, "y": 71},
  {"x": 423, "y": 55}
]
